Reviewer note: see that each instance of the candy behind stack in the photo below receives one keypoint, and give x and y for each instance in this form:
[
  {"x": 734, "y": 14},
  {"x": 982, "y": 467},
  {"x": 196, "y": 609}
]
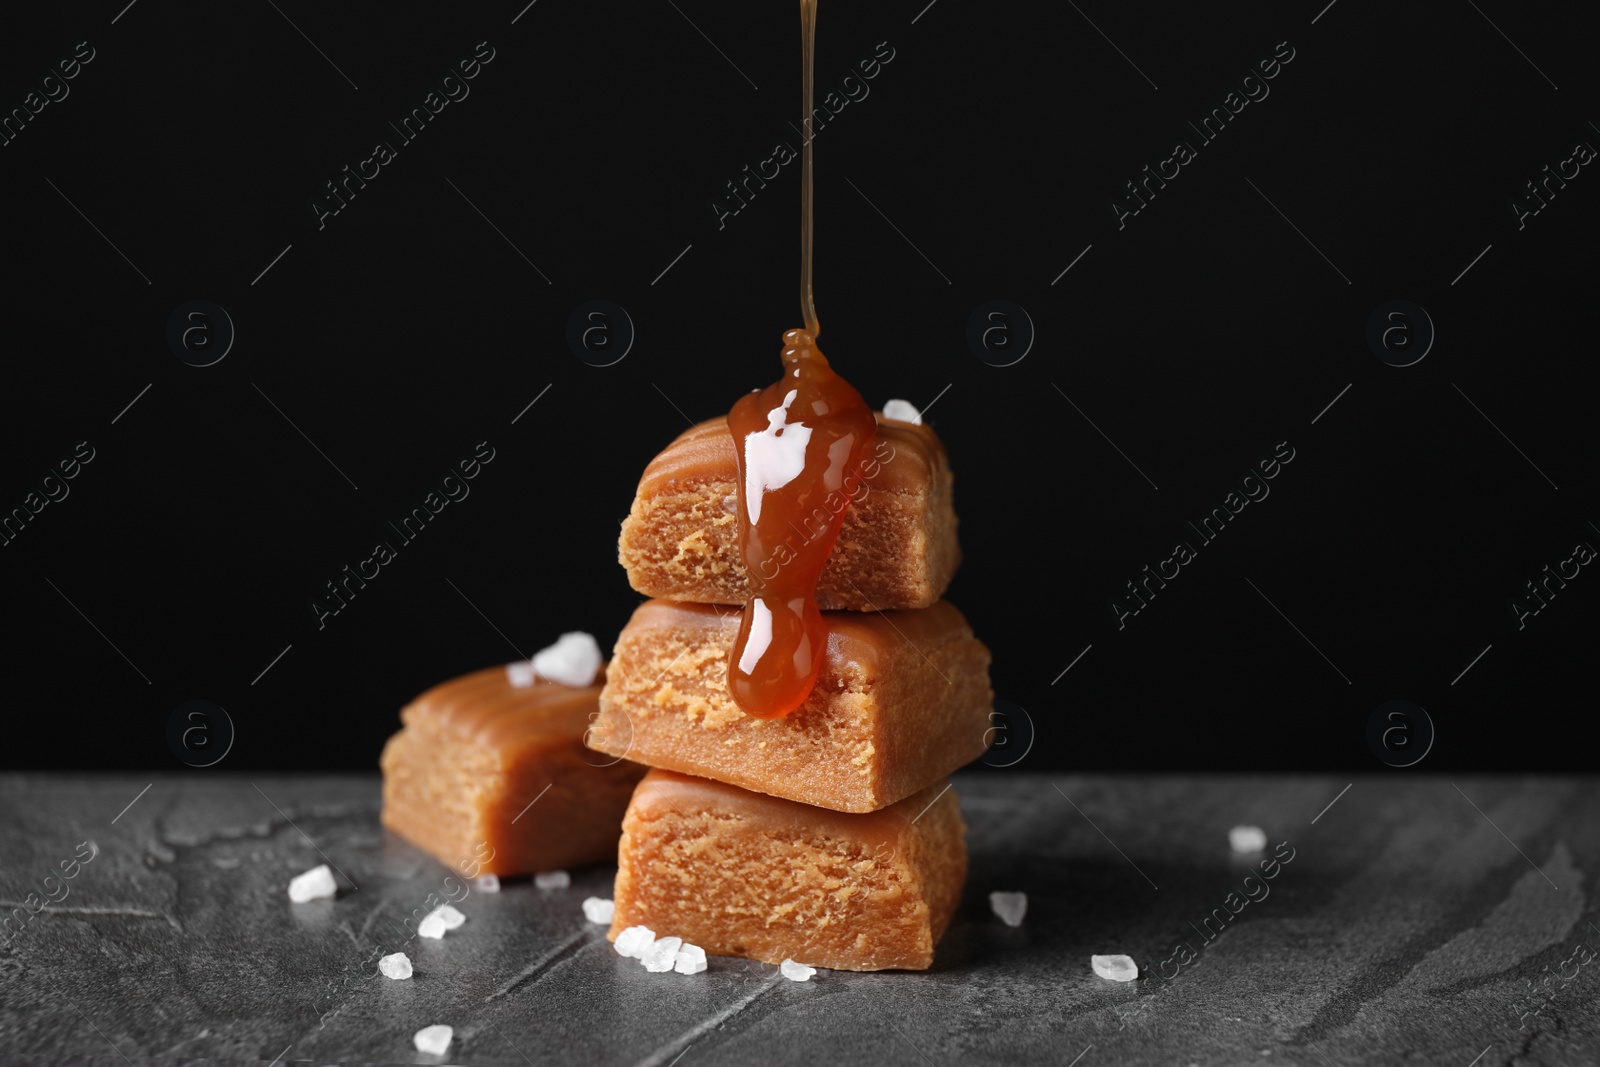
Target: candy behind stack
[
  {"x": 475, "y": 754},
  {"x": 830, "y": 834}
]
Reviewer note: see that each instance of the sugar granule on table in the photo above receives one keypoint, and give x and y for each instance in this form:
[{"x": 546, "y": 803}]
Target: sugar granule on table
[
  {"x": 396, "y": 965},
  {"x": 488, "y": 883},
  {"x": 573, "y": 660},
  {"x": 599, "y": 910},
  {"x": 1116, "y": 968},
  {"x": 440, "y": 919},
  {"x": 691, "y": 959},
  {"x": 314, "y": 884},
  {"x": 552, "y": 879},
  {"x": 662, "y": 954},
  {"x": 1247, "y": 839},
  {"x": 796, "y": 972},
  {"x": 633, "y": 941},
  {"x": 1011, "y": 907},
  {"x": 434, "y": 1039}
]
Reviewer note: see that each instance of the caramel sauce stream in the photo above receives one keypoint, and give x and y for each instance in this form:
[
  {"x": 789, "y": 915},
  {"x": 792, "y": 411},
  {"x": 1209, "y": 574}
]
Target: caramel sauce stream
[
  {"x": 795, "y": 440},
  {"x": 808, "y": 50}
]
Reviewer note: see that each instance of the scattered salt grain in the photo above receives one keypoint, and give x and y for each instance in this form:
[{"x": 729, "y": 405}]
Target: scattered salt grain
[
  {"x": 904, "y": 410},
  {"x": 520, "y": 674},
  {"x": 1116, "y": 968},
  {"x": 796, "y": 972},
  {"x": 633, "y": 941},
  {"x": 1247, "y": 839},
  {"x": 661, "y": 955},
  {"x": 1011, "y": 907},
  {"x": 597, "y": 910},
  {"x": 434, "y": 1039},
  {"x": 449, "y": 916},
  {"x": 315, "y": 883},
  {"x": 396, "y": 966},
  {"x": 552, "y": 879},
  {"x": 487, "y": 883},
  {"x": 691, "y": 959},
  {"x": 572, "y": 660},
  {"x": 431, "y": 926}
]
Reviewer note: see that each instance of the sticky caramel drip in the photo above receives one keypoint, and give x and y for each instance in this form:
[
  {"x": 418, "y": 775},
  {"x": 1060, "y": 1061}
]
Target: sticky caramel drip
[
  {"x": 808, "y": 49},
  {"x": 796, "y": 441}
]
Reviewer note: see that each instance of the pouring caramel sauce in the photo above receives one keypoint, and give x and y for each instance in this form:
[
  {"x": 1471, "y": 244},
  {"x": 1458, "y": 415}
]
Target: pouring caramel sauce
[
  {"x": 796, "y": 440},
  {"x": 808, "y": 63}
]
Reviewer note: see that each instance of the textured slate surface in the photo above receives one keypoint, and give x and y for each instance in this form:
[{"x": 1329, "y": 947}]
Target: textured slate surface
[{"x": 1410, "y": 927}]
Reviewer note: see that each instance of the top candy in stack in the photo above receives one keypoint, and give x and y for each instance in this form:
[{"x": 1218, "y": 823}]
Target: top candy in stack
[{"x": 896, "y": 549}]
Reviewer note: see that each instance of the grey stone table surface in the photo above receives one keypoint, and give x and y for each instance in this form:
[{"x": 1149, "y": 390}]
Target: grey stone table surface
[{"x": 1415, "y": 919}]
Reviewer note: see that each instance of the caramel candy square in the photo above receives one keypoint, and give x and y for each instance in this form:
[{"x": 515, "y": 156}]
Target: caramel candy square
[
  {"x": 741, "y": 874},
  {"x": 896, "y": 549},
  {"x": 475, "y": 752},
  {"x": 902, "y": 700}
]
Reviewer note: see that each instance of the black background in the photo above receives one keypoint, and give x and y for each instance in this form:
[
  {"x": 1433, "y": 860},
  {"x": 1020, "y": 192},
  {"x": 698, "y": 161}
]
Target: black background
[{"x": 1196, "y": 338}]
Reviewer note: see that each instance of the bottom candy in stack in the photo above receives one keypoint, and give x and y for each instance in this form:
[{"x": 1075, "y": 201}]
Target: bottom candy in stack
[{"x": 743, "y": 874}]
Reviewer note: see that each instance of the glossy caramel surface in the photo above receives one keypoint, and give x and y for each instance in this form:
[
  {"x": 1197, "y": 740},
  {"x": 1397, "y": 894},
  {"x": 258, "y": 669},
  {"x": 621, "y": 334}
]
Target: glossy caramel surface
[{"x": 485, "y": 708}]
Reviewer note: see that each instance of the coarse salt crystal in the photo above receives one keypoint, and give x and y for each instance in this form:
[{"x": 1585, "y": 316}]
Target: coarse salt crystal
[
  {"x": 520, "y": 674},
  {"x": 661, "y": 955},
  {"x": 432, "y": 926},
  {"x": 904, "y": 410},
  {"x": 1011, "y": 907},
  {"x": 572, "y": 660},
  {"x": 598, "y": 910},
  {"x": 434, "y": 1039},
  {"x": 1116, "y": 968},
  {"x": 552, "y": 879},
  {"x": 488, "y": 883},
  {"x": 796, "y": 972},
  {"x": 633, "y": 941},
  {"x": 1246, "y": 839},
  {"x": 691, "y": 959},
  {"x": 449, "y": 916},
  {"x": 396, "y": 965},
  {"x": 315, "y": 883}
]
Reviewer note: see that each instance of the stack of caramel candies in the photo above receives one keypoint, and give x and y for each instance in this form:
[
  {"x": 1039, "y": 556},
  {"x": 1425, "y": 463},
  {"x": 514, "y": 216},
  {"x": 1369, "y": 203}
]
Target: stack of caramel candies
[{"x": 828, "y": 835}]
